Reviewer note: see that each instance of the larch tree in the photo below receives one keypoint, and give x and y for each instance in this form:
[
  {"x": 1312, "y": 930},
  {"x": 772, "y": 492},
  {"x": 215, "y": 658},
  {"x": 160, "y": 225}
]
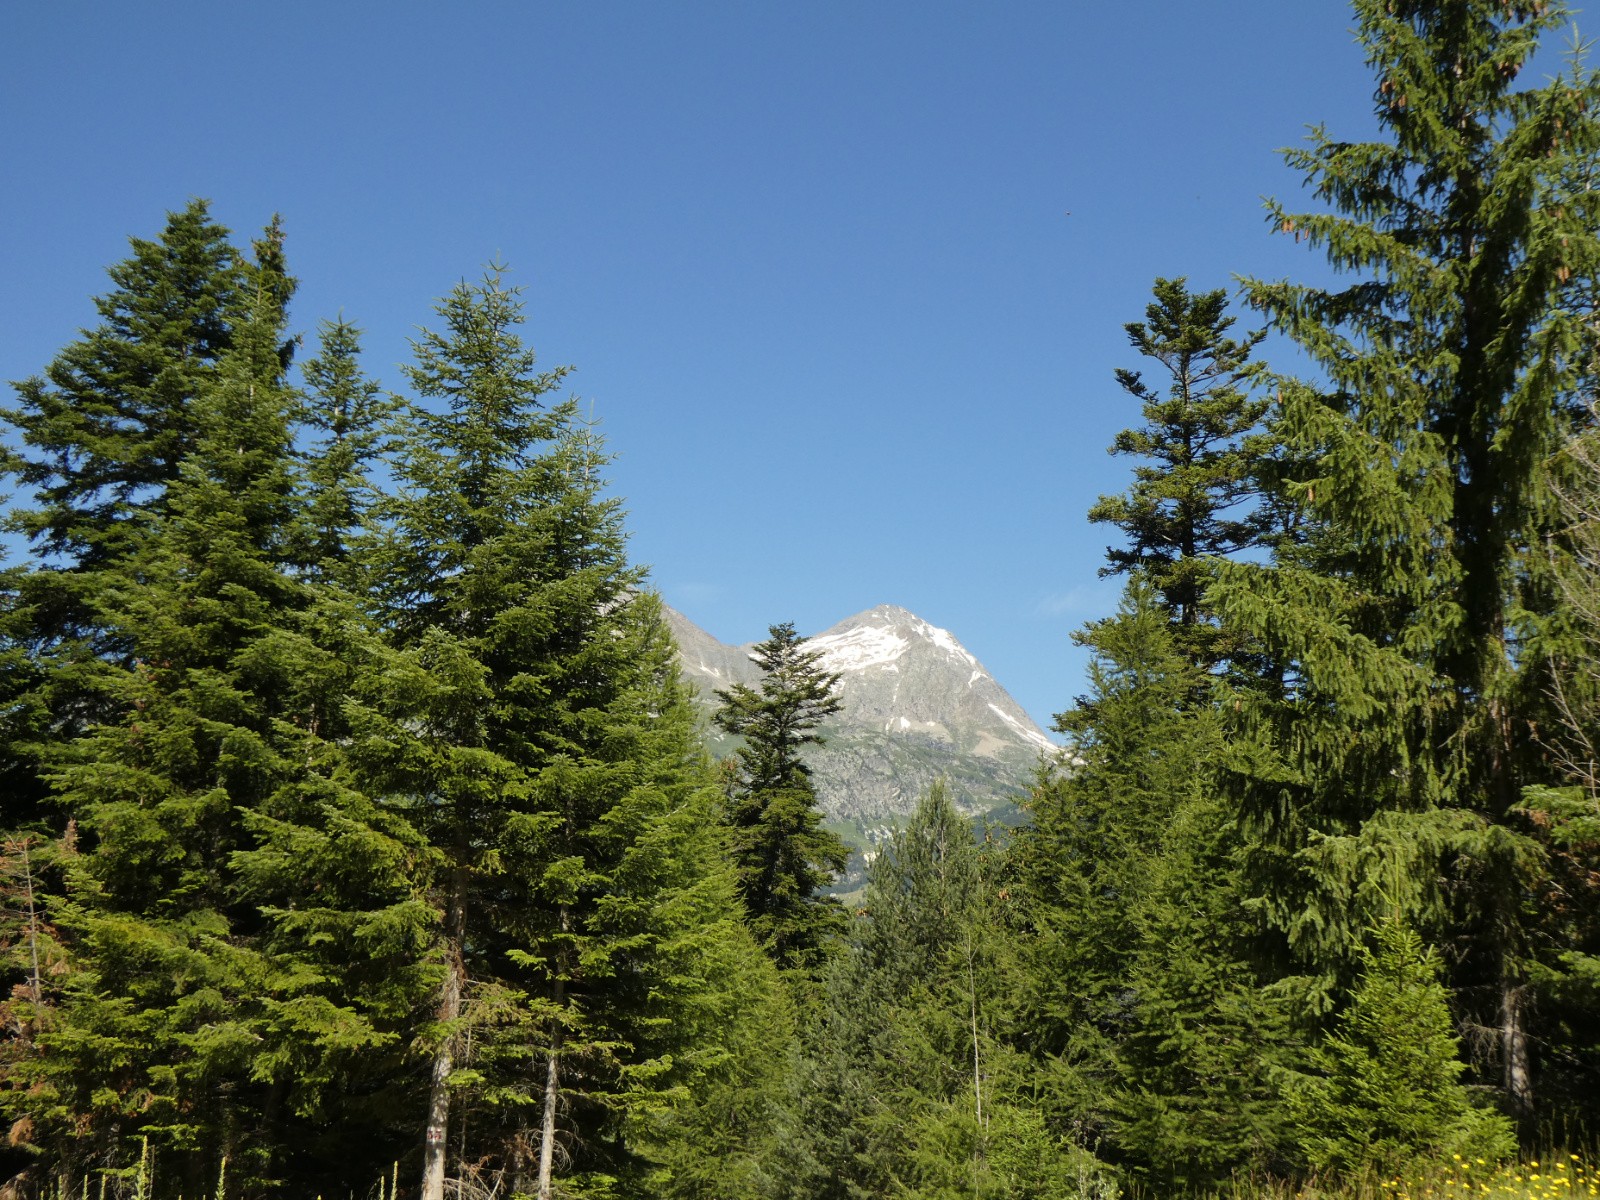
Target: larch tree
[{"x": 1411, "y": 631}]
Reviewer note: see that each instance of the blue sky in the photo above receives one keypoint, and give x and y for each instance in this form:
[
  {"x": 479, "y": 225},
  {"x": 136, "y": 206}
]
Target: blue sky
[{"x": 844, "y": 282}]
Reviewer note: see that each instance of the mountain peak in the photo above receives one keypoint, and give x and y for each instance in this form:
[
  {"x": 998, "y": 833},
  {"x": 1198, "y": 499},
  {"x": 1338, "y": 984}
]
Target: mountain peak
[
  {"x": 881, "y": 612},
  {"x": 917, "y": 706},
  {"x": 879, "y": 637}
]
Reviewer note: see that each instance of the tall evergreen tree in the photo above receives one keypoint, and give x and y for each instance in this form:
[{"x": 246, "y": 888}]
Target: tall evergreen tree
[
  {"x": 538, "y": 738},
  {"x": 353, "y": 417},
  {"x": 1199, "y": 494},
  {"x": 1411, "y": 631},
  {"x": 106, "y": 428},
  {"x": 154, "y": 1031},
  {"x": 783, "y": 854},
  {"x": 99, "y": 437},
  {"x": 239, "y": 930},
  {"x": 1155, "y": 1036}
]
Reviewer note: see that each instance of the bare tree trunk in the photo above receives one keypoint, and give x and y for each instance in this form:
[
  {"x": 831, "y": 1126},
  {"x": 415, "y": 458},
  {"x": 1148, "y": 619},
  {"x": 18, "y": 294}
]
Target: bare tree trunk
[
  {"x": 552, "y": 1080},
  {"x": 35, "y": 980},
  {"x": 444, "y": 1060},
  {"x": 1514, "y": 1047},
  {"x": 978, "y": 1148},
  {"x": 977, "y": 1062},
  {"x": 547, "y": 1132}
]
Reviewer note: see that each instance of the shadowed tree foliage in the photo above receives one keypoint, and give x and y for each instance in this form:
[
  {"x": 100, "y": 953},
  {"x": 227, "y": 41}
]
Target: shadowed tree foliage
[
  {"x": 1410, "y": 638},
  {"x": 909, "y": 1082},
  {"x": 783, "y": 854},
  {"x": 98, "y": 438},
  {"x": 1146, "y": 1008}
]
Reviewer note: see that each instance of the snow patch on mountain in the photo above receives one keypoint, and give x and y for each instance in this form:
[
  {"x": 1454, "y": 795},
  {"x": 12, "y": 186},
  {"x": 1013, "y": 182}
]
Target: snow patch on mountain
[
  {"x": 946, "y": 641},
  {"x": 1031, "y": 735},
  {"x": 917, "y": 707},
  {"x": 859, "y": 648}
]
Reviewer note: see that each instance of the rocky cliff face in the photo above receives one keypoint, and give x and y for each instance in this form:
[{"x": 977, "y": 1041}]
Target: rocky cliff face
[{"x": 917, "y": 707}]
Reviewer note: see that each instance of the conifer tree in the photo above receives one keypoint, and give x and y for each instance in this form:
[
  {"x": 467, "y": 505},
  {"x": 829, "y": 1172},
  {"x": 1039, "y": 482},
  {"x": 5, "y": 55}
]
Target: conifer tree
[
  {"x": 154, "y": 1032},
  {"x": 353, "y": 416},
  {"x": 783, "y": 854},
  {"x": 1198, "y": 496},
  {"x": 1144, "y": 1003},
  {"x": 1389, "y": 1092},
  {"x": 1412, "y": 630},
  {"x": 239, "y": 932},
  {"x": 908, "y": 1083},
  {"x": 106, "y": 428},
  {"x": 536, "y": 735},
  {"x": 98, "y": 438},
  {"x": 286, "y": 838},
  {"x": 1565, "y": 814}
]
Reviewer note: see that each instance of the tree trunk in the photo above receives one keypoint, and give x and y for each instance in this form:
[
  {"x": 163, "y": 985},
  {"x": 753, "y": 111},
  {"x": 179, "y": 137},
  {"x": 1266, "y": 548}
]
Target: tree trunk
[
  {"x": 35, "y": 978},
  {"x": 444, "y": 1060},
  {"x": 547, "y": 1133},
  {"x": 552, "y": 1080},
  {"x": 1514, "y": 1048}
]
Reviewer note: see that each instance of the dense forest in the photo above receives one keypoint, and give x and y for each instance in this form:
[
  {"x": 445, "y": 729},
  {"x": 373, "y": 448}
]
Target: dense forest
[{"x": 359, "y": 838}]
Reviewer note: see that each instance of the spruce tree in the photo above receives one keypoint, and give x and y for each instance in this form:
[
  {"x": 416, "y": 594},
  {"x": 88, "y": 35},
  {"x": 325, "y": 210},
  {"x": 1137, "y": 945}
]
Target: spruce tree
[
  {"x": 1144, "y": 1004},
  {"x": 1412, "y": 631},
  {"x": 1198, "y": 494},
  {"x": 154, "y": 1032},
  {"x": 909, "y": 1082},
  {"x": 536, "y": 735},
  {"x": 783, "y": 854},
  {"x": 1388, "y": 1093}
]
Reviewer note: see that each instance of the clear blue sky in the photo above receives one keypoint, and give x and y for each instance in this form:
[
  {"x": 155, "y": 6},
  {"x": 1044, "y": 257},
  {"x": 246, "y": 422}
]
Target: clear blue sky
[{"x": 845, "y": 281}]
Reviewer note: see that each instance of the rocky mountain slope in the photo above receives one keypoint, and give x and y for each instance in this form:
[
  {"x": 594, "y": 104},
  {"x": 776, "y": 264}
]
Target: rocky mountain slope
[{"x": 917, "y": 707}]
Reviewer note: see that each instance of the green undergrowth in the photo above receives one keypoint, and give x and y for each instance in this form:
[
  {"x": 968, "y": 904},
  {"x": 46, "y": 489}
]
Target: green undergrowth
[{"x": 1554, "y": 1175}]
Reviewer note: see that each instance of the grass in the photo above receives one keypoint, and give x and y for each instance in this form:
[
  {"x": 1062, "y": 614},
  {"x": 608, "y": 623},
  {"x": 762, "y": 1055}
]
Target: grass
[
  {"x": 1552, "y": 1176},
  {"x": 1556, "y": 1177}
]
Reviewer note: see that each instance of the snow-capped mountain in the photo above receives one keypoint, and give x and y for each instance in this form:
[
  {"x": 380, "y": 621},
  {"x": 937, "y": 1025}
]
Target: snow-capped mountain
[{"x": 917, "y": 707}]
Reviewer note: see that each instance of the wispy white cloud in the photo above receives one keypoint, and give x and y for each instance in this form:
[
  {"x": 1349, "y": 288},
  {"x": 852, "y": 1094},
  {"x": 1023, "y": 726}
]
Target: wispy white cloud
[
  {"x": 692, "y": 592},
  {"x": 1081, "y": 600}
]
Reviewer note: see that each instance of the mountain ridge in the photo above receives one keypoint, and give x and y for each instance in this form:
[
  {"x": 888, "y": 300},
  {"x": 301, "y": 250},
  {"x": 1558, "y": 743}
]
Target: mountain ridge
[{"x": 917, "y": 706}]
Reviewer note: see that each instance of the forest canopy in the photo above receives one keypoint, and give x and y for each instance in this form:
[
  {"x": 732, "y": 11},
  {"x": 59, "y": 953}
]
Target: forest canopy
[{"x": 359, "y": 831}]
